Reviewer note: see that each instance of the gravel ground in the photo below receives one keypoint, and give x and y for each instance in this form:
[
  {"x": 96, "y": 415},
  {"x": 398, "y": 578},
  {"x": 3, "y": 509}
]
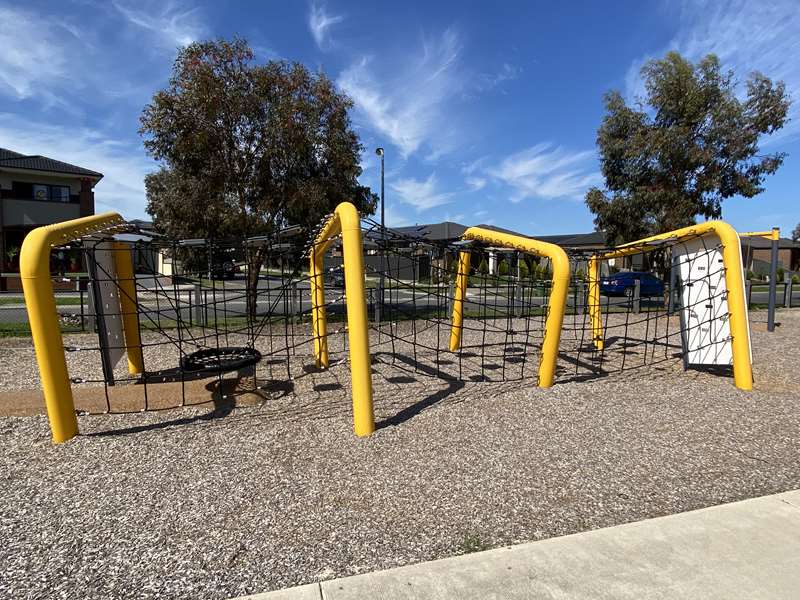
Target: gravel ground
[{"x": 219, "y": 501}]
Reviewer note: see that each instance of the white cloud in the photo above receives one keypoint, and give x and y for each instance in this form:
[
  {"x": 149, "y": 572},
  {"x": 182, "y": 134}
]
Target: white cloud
[
  {"x": 123, "y": 165},
  {"x": 35, "y": 54},
  {"x": 746, "y": 36},
  {"x": 421, "y": 194},
  {"x": 320, "y": 23},
  {"x": 475, "y": 183},
  {"x": 546, "y": 171},
  {"x": 167, "y": 21},
  {"x": 408, "y": 102},
  {"x": 506, "y": 72}
]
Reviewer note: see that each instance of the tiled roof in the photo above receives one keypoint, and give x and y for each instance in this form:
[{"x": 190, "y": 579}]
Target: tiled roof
[
  {"x": 16, "y": 160},
  {"x": 434, "y": 231}
]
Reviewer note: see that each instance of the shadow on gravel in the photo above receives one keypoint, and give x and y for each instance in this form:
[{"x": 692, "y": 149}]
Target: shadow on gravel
[
  {"x": 454, "y": 385},
  {"x": 223, "y": 395}
]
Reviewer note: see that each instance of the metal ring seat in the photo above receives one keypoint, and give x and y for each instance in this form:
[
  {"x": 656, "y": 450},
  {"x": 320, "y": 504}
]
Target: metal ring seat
[{"x": 220, "y": 360}]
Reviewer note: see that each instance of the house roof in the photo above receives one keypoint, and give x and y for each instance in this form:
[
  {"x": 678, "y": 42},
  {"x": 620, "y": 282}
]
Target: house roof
[
  {"x": 447, "y": 230},
  {"x": 759, "y": 243},
  {"x": 451, "y": 231},
  {"x": 594, "y": 239},
  {"x": 36, "y": 162}
]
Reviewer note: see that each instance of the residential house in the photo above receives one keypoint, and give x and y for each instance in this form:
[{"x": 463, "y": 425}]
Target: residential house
[{"x": 36, "y": 190}]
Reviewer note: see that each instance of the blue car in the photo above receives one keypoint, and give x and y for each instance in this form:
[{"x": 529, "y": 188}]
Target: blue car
[{"x": 624, "y": 283}]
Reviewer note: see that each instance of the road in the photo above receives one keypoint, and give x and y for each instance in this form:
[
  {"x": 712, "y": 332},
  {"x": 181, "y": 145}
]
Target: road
[{"x": 274, "y": 299}]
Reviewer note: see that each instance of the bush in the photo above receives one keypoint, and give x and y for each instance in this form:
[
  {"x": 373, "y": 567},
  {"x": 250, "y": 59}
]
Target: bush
[
  {"x": 502, "y": 268},
  {"x": 523, "y": 269},
  {"x": 750, "y": 274},
  {"x": 579, "y": 275},
  {"x": 795, "y": 278},
  {"x": 779, "y": 275},
  {"x": 483, "y": 267}
]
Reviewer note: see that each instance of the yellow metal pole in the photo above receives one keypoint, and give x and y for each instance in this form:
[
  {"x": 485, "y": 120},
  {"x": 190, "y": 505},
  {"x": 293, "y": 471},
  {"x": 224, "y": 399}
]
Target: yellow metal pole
[
  {"x": 346, "y": 221},
  {"x": 43, "y": 317},
  {"x": 462, "y": 279},
  {"x": 558, "y": 294},
  {"x": 123, "y": 264},
  {"x": 737, "y": 306},
  {"x": 319, "y": 322},
  {"x": 772, "y": 234},
  {"x": 595, "y": 310},
  {"x": 358, "y": 332},
  {"x": 555, "y": 317}
]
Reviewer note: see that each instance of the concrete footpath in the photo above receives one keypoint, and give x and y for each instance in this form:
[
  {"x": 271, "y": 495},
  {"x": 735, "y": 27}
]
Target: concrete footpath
[{"x": 748, "y": 549}]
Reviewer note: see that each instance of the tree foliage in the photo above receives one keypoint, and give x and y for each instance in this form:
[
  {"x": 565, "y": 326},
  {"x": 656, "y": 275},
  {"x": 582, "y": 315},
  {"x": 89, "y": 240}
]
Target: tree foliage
[
  {"x": 796, "y": 233},
  {"x": 247, "y": 148},
  {"x": 693, "y": 145}
]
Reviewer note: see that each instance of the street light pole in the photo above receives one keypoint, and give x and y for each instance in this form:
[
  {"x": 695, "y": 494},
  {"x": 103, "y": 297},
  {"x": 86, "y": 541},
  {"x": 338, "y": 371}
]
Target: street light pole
[
  {"x": 380, "y": 152},
  {"x": 379, "y": 305}
]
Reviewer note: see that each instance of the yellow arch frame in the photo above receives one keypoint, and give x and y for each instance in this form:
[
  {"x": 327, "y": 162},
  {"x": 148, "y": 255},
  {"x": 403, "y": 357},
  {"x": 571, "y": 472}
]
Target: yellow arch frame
[
  {"x": 737, "y": 307},
  {"x": 558, "y": 294},
  {"x": 48, "y": 343},
  {"x": 345, "y": 221}
]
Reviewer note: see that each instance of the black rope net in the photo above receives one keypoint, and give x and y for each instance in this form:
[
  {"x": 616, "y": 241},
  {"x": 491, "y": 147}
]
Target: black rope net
[
  {"x": 220, "y": 319},
  {"x": 661, "y": 308}
]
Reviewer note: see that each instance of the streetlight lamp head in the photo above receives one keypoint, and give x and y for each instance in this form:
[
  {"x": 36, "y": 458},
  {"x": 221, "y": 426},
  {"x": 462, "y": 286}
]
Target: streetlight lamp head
[{"x": 379, "y": 151}]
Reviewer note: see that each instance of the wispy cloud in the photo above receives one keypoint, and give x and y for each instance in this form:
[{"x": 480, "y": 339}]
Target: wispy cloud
[
  {"x": 421, "y": 194},
  {"x": 123, "y": 164},
  {"x": 35, "y": 55},
  {"x": 320, "y": 23},
  {"x": 407, "y": 103},
  {"x": 506, "y": 72},
  {"x": 475, "y": 183},
  {"x": 168, "y": 21},
  {"x": 547, "y": 171},
  {"x": 747, "y": 36}
]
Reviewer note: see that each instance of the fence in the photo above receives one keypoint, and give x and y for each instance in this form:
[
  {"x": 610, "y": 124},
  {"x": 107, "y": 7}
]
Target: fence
[{"x": 200, "y": 306}]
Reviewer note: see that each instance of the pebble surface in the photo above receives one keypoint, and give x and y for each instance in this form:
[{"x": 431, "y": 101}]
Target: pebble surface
[{"x": 222, "y": 502}]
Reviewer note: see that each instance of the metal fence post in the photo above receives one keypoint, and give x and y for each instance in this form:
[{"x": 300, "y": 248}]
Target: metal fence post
[
  {"x": 787, "y": 292},
  {"x": 637, "y": 297},
  {"x": 773, "y": 275},
  {"x": 198, "y": 304},
  {"x": 748, "y": 288}
]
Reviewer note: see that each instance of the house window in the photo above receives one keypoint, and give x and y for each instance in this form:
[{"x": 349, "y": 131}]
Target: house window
[
  {"x": 59, "y": 193},
  {"x": 40, "y": 191}
]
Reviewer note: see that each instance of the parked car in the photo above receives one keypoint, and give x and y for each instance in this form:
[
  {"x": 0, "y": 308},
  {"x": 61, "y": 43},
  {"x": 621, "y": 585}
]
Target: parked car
[
  {"x": 225, "y": 269},
  {"x": 624, "y": 283},
  {"x": 335, "y": 277}
]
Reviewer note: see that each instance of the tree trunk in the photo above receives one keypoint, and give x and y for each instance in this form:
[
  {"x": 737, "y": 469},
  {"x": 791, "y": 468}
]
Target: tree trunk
[{"x": 255, "y": 261}]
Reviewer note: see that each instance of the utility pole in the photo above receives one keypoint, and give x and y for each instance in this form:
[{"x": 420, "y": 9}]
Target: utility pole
[{"x": 379, "y": 304}]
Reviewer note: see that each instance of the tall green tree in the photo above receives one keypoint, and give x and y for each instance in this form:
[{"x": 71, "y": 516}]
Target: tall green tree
[
  {"x": 248, "y": 148},
  {"x": 687, "y": 146}
]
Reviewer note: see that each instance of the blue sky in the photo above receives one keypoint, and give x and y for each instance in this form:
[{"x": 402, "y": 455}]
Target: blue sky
[{"x": 488, "y": 111}]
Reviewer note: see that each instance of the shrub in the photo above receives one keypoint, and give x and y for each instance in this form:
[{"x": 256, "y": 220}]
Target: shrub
[
  {"x": 795, "y": 278},
  {"x": 483, "y": 267},
  {"x": 502, "y": 268},
  {"x": 779, "y": 274},
  {"x": 523, "y": 269},
  {"x": 750, "y": 274}
]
